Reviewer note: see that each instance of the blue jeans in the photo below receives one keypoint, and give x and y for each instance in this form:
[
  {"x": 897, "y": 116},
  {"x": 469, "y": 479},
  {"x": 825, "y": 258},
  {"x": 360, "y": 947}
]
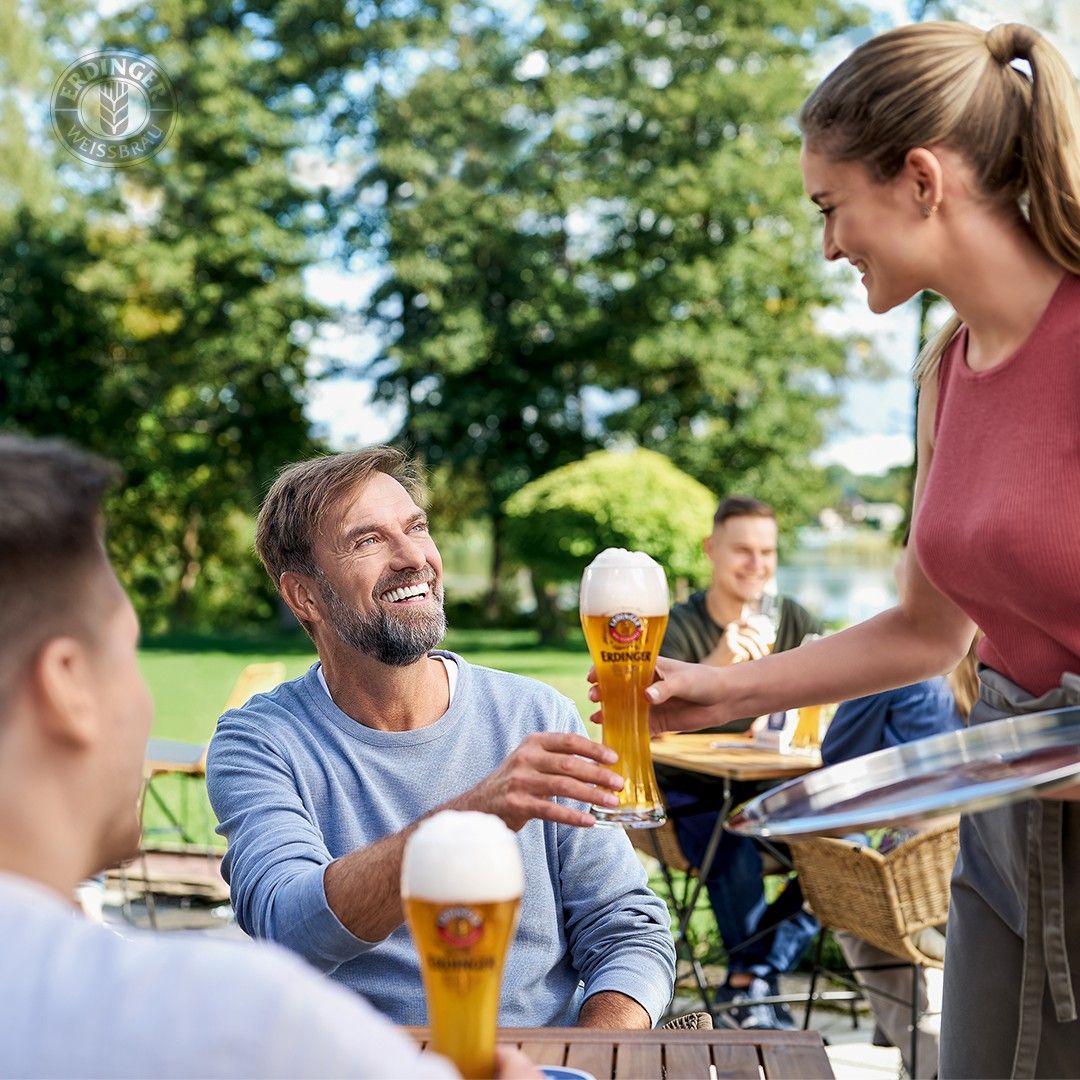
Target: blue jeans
[{"x": 759, "y": 938}]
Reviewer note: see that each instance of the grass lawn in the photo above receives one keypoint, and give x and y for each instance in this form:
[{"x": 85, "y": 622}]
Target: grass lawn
[{"x": 190, "y": 678}]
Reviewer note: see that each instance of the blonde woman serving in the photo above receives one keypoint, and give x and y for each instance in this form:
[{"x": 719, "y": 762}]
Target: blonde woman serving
[{"x": 939, "y": 164}]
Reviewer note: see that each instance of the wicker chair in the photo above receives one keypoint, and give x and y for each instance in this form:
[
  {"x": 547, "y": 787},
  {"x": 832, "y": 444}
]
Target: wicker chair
[
  {"x": 691, "y": 1021},
  {"x": 884, "y": 899},
  {"x": 888, "y": 900}
]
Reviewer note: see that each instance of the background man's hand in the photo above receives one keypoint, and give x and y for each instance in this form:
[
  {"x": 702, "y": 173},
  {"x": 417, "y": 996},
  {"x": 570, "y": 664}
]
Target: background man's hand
[
  {"x": 546, "y": 764},
  {"x": 739, "y": 642}
]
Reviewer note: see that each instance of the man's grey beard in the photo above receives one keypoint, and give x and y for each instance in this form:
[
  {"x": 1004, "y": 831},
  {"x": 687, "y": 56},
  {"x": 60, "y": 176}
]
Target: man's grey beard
[{"x": 392, "y": 641}]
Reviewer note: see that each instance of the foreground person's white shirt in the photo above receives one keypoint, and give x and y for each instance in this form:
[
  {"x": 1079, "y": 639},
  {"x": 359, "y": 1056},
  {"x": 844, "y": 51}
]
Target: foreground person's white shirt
[{"x": 77, "y": 1000}]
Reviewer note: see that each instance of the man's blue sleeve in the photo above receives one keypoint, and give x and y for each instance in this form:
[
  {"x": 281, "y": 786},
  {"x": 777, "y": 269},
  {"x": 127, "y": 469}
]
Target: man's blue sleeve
[
  {"x": 879, "y": 721},
  {"x": 276, "y": 856},
  {"x": 857, "y": 728},
  {"x": 927, "y": 708},
  {"x": 619, "y": 931}
]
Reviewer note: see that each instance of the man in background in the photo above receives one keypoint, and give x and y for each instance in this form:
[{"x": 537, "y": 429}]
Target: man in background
[
  {"x": 733, "y": 620},
  {"x": 76, "y": 999}
]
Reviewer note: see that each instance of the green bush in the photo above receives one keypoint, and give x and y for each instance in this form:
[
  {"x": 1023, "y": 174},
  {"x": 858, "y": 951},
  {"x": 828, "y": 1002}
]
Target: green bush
[{"x": 636, "y": 499}]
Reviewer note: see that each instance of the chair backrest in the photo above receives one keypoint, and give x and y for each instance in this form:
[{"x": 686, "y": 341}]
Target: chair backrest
[
  {"x": 254, "y": 679},
  {"x": 884, "y": 899}
]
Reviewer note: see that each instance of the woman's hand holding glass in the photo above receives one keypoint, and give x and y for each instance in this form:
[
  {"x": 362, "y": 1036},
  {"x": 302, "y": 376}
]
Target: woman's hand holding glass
[{"x": 683, "y": 697}]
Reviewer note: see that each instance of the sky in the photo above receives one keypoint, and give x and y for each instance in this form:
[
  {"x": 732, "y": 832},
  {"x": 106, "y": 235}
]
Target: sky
[{"x": 875, "y": 424}]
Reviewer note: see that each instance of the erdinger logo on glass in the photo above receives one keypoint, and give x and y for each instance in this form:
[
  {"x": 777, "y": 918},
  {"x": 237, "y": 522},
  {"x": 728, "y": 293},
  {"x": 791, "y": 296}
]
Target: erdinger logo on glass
[
  {"x": 113, "y": 108},
  {"x": 625, "y": 628},
  {"x": 459, "y": 927}
]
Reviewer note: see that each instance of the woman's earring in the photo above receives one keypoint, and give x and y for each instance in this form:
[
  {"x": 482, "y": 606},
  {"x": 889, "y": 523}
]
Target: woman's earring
[{"x": 928, "y": 211}]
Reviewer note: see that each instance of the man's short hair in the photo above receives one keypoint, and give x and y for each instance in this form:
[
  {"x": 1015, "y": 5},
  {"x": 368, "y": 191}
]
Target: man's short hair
[
  {"x": 50, "y": 546},
  {"x": 741, "y": 506},
  {"x": 302, "y": 495}
]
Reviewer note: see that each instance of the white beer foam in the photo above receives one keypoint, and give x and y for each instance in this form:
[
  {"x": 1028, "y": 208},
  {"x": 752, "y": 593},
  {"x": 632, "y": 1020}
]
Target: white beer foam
[
  {"x": 462, "y": 856},
  {"x": 620, "y": 580}
]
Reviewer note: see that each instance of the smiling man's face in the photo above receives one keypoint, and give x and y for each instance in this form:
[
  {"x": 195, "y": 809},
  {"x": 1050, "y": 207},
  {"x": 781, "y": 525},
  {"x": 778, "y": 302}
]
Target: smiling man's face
[{"x": 380, "y": 583}]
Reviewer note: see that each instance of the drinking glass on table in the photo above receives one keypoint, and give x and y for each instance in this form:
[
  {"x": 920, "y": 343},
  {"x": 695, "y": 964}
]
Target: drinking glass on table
[
  {"x": 461, "y": 885},
  {"x": 624, "y": 611},
  {"x": 809, "y": 730}
]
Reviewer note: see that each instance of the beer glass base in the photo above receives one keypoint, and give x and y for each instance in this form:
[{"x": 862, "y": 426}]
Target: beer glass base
[{"x": 651, "y": 817}]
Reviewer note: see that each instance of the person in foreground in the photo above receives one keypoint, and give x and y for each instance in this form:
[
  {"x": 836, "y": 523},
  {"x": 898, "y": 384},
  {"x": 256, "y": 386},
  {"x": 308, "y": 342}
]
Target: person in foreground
[
  {"x": 877, "y": 722},
  {"x": 939, "y": 164},
  {"x": 76, "y": 999},
  {"x": 319, "y": 784},
  {"x": 715, "y": 627}
]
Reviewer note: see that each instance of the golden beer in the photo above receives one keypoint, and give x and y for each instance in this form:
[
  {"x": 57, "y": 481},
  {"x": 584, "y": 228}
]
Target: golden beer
[
  {"x": 461, "y": 887},
  {"x": 624, "y": 612},
  {"x": 813, "y": 720},
  {"x": 462, "y": 949}
]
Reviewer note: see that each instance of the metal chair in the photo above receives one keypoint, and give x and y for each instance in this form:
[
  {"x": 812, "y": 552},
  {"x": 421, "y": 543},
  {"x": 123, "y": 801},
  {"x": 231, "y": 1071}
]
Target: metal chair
[
  {"x": 663, "y": 845},
  {"x": 174, "y": 758},
  {"x": 887, "y": 900}
]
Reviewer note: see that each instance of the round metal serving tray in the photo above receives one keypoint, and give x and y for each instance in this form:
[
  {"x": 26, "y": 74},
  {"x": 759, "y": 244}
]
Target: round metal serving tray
[{"x": 974, "y": 769}]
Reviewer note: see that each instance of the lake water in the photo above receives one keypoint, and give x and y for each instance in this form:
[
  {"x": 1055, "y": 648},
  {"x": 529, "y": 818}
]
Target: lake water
[{"x": 838, "y": 593}]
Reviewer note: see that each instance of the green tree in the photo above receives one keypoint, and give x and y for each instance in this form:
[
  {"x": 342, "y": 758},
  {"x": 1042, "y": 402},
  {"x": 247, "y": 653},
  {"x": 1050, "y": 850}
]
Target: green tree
[
  {"x": 605, "y": 198},
  {"x": 481, "y": 315},
  {"x": 217, "y": 314},
  {"x": 26, "y": 70},
  {"x": 704, "y": 259},
  {"x": 636, "y": 500}
]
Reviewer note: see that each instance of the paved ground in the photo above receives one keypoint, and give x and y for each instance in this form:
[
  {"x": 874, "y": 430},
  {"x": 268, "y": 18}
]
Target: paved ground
[
  {"x": 848, "y": 1044},
  {"x": 849, "y": 1048}
]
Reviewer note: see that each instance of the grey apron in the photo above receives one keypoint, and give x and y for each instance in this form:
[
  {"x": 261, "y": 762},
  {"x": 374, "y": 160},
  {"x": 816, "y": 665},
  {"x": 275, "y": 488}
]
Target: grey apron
[{"x": 1012, "y": 969}]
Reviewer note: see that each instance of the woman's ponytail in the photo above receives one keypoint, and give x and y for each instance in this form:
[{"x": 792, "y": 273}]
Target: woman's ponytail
[{"x": 1051, "y": 147}]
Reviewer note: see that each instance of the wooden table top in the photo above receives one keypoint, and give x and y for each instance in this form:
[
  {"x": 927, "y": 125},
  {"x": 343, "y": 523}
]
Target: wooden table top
[
  {"x": 664, "y": 1054},
  {"x": 737, "y": 759}
]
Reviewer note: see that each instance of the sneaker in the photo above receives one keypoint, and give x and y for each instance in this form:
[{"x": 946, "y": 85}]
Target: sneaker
[
  {"x": 749, "y": 1012},
  {"x": 729, "y": 995}
]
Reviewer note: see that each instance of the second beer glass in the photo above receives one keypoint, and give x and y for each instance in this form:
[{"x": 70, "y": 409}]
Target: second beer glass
[
  {"x": 624, "y": 611},
  {"x": 461, "y": 886}
]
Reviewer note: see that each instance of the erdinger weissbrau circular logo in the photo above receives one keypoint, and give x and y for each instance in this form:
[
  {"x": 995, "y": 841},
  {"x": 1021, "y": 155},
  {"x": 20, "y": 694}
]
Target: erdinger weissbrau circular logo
[
  {"x": 625, "y": 628},
  {"x": 113, "y": 108},
  {"x": 459, "y": 927}
]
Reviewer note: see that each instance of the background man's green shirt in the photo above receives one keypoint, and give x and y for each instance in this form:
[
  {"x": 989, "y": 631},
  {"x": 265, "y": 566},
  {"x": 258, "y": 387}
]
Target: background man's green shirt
[{"x": 692, "y": 634}]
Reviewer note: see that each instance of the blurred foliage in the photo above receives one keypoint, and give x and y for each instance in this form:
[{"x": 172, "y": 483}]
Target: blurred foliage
[
  {"x": 160, "y": 317},
  {"x": 482, "y": 319},
  {"x": 891, "y": 486},
  {"x": 595, "y": 228},
  {"x": 706, "y": 257},
  {"x": 630, "y": 499},
  {"x": 590, "y": 217}
]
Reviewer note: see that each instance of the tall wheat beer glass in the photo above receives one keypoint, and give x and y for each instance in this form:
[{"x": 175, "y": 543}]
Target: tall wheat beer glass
[
  {"x": 461, "y": 885},
  {"x": 624, "y": 610}
]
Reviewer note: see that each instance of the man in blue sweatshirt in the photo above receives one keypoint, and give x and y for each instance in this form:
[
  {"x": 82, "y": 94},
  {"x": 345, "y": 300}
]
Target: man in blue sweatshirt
[{"x": 319, "y": 783}]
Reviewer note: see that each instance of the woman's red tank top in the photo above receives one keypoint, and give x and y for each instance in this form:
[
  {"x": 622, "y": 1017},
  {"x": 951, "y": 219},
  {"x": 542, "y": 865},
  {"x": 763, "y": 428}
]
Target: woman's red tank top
[{"x": 998, "y": 529}]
